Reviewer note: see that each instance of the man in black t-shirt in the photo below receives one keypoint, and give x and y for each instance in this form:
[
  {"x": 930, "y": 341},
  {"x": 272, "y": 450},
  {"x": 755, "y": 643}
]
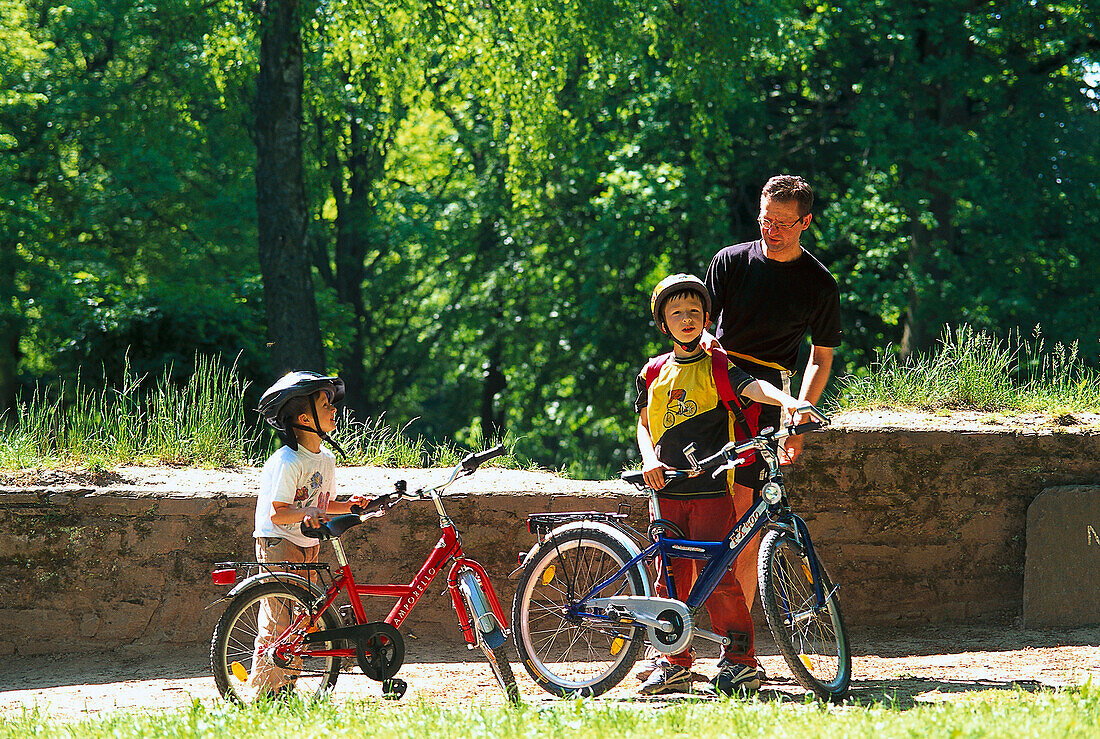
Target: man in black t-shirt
[{"x": 767, "y": 295}]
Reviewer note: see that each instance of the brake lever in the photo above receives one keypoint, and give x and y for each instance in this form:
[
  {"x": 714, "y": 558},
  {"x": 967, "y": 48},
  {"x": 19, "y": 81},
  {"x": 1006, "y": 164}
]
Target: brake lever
[{"x": 729, "y": 465}]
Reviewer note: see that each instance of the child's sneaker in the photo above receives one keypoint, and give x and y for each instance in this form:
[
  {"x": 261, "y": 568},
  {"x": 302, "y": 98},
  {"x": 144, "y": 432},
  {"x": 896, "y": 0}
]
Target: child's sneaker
[
  {"x": 760, "y": 674},
  {"x": 667, "y": 678},
  {"x": 652, "y": 661},
  {"x": 736, "y": 679}
]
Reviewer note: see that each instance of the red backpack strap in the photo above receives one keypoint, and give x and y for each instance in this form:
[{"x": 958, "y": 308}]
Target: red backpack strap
[
  {"x": 653, "y": 368},
  {"x": 720, "y": 365}
]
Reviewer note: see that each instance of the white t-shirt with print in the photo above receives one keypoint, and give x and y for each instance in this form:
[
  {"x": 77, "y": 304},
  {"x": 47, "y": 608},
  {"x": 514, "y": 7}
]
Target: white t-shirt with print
[{"x": 300, "y": 478}]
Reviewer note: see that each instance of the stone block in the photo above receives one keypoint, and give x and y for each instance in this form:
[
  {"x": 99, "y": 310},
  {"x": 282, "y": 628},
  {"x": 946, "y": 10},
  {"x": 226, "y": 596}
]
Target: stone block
[{"x": 1062, "y": 562}]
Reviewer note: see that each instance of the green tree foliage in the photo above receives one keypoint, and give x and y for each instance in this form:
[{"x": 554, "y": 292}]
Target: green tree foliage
[
  {"x": 127, "y": 203},
  {"x": 490, "y": 191}
]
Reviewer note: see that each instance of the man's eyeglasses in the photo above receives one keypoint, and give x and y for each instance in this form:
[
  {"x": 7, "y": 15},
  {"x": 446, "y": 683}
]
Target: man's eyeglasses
[{"x": 768, "y": 225}]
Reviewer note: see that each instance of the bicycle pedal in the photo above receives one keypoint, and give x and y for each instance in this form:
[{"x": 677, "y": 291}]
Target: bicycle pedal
[{"x": 394, "y": 688}]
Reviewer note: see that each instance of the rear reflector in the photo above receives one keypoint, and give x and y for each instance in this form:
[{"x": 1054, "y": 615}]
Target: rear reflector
[{"x": 224, "y": 577}]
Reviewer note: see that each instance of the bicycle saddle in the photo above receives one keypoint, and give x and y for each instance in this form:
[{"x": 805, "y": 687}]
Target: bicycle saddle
[{"x": 334, "y": 528}]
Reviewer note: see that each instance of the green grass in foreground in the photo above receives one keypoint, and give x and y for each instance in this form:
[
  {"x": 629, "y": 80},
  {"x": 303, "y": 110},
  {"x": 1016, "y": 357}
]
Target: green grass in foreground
[
  {"x": 1069, "y": 712},
  {"x": 975, "y": 371}
]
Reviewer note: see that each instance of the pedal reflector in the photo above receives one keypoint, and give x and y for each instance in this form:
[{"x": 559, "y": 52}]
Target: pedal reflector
[
  {"x": 239, "y": 672},
  {"x": 548, "y": 575},
  {"x": 617, "y": 645}
]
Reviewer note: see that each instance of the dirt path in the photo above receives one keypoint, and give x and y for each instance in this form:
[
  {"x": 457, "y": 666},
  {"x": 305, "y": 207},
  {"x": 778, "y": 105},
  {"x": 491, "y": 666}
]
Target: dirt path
[{"x": 929, "y": 664}]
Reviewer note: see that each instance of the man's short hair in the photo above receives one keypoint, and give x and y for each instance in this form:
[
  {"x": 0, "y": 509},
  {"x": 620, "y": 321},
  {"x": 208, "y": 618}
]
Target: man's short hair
[{"x": 786, "y": 188}]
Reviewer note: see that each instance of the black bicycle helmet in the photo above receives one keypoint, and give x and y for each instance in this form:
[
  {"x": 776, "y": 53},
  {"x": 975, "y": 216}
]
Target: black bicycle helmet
[{"x": 298, "y": 384}]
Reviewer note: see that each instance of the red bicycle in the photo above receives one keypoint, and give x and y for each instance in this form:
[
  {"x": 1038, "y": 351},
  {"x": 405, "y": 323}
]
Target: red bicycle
[{"x": 313, "y": 638}]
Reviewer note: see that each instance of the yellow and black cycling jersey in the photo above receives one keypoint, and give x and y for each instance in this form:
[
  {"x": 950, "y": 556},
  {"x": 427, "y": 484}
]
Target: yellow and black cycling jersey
[{"x": 682, "y": 406}]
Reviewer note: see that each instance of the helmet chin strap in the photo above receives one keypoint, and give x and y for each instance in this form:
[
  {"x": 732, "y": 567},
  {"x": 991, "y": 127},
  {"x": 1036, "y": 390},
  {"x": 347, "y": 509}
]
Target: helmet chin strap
[
  {"x": 317, "y": 429},
  {"x": 689, "y": 347}
]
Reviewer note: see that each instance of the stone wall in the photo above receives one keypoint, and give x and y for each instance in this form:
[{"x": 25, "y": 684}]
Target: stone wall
[{"x": 917, "y": 527}]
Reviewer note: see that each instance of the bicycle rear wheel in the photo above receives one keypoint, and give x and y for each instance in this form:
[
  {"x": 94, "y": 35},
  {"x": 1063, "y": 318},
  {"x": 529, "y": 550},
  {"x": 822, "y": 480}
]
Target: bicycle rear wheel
[
  {"x": 241, "y": 657},
  {"x": 567, "y": 654},
  {"x": 812, "y": 639}
]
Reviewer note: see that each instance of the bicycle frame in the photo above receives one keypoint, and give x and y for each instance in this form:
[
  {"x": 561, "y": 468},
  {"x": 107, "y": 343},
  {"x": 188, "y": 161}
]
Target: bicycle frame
[
  {"x": 447, "y": 549},
  {"x": 719, "y": 555}
]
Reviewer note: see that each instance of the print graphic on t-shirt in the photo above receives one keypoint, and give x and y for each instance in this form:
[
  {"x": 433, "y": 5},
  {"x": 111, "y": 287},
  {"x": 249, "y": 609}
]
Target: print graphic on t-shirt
[
  {"x": 678, "y": 407},
  {"x": 302, "y": 494}
]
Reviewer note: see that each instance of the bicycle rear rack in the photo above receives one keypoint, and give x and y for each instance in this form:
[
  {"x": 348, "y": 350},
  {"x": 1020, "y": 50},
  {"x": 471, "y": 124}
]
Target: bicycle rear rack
[{"x": 541, "y": 524}]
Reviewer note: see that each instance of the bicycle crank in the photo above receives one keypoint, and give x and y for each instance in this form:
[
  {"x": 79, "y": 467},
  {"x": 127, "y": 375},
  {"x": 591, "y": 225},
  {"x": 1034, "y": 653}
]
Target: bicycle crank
[{"x": 380, "y": 650}]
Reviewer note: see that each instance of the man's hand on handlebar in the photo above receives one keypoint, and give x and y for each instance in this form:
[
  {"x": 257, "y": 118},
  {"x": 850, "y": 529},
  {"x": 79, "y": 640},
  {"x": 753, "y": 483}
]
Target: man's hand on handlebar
[{"x": 792, "y": 445}]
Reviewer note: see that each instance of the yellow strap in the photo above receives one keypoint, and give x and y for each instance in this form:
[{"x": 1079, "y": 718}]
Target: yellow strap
[{"x": 773, "y": 365}]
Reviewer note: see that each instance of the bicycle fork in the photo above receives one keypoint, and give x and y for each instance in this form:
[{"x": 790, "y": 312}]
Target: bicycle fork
[{"x": 469, "y": 585}]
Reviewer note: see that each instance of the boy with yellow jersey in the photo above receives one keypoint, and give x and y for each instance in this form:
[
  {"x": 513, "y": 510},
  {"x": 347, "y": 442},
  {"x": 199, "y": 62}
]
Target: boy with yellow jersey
[{"x": 678, "y": 405}]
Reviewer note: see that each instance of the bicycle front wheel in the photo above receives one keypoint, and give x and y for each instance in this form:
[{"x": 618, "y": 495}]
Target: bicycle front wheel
[
  {"x": 244, "y": 654},
  {"x": 811, "y": 638},
  {"x": 564, "y": 653}
]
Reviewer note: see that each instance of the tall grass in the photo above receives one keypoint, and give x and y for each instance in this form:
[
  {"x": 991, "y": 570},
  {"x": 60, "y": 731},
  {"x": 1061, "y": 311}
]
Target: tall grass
[
  {"x": 974, "y": 370},
  {"x": 201, "y": 423},
  {"x": 375, "y": 443}
]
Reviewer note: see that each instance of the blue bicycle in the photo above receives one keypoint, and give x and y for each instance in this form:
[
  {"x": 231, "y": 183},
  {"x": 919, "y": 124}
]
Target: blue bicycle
[{"x": 585, "y": 602}]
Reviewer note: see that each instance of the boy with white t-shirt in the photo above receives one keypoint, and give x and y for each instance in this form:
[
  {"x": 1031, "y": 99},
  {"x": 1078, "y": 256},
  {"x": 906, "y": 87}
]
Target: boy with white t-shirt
[{"x": 296, "y": 485}]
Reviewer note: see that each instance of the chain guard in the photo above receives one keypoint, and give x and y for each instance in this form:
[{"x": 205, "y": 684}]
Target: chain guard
[
  {"x": 675, "y": 641},
  {"x": 380, "y": 650}
]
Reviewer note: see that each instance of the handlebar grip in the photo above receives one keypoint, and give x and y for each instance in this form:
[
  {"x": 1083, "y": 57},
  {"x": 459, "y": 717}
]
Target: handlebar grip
[
  {"x": 807, "y": 426},
  {"x": 634, "y": 477},
  {"x": 475, "y": 459}
]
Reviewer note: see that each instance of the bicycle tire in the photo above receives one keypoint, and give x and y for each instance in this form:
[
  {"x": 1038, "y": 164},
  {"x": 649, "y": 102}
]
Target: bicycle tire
[
  {"x": 497, "y": 657},
  {"x": 233, "y": 643},
  {"x": 573, "y": 657},
  {"x": 813, "y": 641}
]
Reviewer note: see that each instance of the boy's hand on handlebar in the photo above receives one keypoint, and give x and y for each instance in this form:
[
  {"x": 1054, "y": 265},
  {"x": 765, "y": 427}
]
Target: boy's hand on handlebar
[
  {"x": 655, "y": 476},
  {"x": 313, "y": 517}
]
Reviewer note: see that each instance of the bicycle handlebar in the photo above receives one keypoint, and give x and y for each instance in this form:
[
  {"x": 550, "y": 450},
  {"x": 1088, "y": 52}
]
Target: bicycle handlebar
[
  {"x": 475, "y": 459},
  {"x": 731, "y": 451},
  {"x": 337, "y": 525}
]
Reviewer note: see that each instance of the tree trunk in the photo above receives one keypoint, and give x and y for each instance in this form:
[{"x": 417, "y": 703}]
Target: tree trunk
[
  {"x": 294, "y": 332},
  {"x": 11, "y": 326},
  {"x": 353, "y": 218},
  {"x": 946, "y": 114},
  {"x": 492, "y": 418}
]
